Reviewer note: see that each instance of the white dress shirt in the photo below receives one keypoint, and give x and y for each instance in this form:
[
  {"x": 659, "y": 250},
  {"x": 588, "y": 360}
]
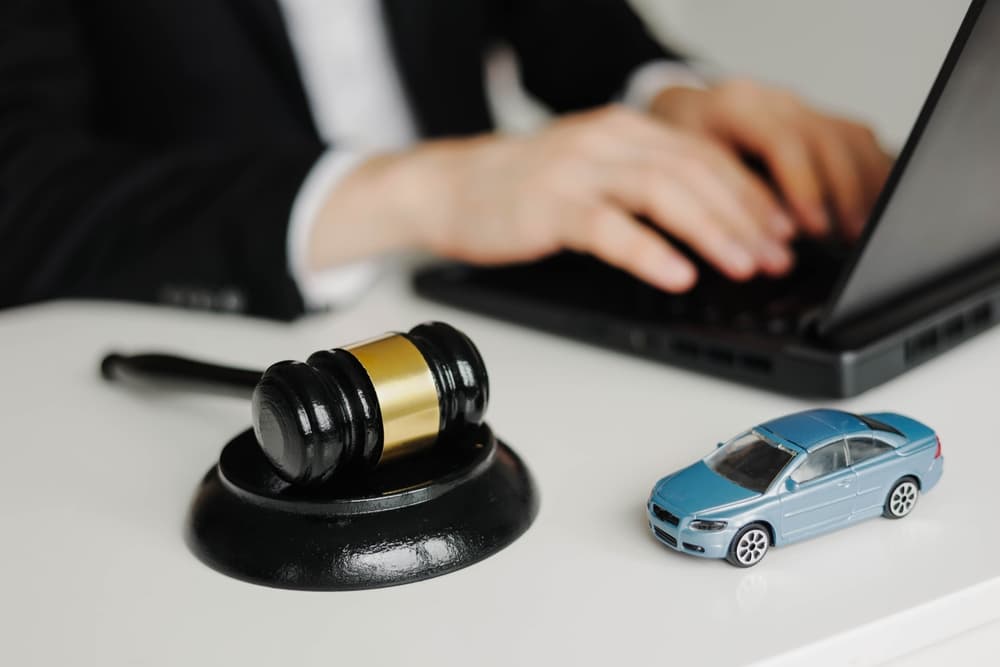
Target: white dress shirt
[{"x": 359, "y": 108}]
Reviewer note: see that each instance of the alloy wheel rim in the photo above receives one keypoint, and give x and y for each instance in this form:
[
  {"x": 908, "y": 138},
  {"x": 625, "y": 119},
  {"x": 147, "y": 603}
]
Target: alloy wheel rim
[
  {"x": 751, "y": 547},
  {"x": 904, "y": 497}
]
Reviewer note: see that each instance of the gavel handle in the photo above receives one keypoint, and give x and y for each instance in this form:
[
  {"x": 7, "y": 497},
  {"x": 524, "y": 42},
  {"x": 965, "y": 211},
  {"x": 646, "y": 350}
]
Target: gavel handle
[{"x": 165, "y": 370}]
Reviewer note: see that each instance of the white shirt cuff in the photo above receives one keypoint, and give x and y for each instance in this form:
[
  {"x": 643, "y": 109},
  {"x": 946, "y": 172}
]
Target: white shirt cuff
[
  {"x": 336, "y": 286},
  {"x": 653, "y": 77}
]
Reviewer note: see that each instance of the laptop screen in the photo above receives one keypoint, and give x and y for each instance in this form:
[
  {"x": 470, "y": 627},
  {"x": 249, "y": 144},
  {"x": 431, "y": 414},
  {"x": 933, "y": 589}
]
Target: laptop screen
[{"x": 940, "y": 210}]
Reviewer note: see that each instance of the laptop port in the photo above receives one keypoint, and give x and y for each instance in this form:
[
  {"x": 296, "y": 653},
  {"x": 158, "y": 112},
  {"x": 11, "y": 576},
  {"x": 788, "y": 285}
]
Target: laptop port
[
  {"x": 953, "y": 328},
  {"x": 720, "y": 356},
  {"x": 921, "y": 346},
  {"x": 685, "y": 348},
  {"x": 638, "y": 340},
  {"x": 757, "y": 364},
  {"x": 981, "y": 317}
]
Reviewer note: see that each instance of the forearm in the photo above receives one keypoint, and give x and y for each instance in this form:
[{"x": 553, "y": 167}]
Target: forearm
[
  {"x": 405, "y": 200},
  {"x": 363, "y": 214}
]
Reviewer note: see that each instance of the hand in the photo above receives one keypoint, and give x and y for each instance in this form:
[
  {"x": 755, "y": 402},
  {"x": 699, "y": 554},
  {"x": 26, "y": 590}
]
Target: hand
[
  {"x": 818, "y": 162},
  {"x": 577, "y": 185}
]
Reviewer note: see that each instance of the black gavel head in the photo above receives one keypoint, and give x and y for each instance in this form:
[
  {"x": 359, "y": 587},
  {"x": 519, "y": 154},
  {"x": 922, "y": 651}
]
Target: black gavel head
[{"x": 355, "y": 407}]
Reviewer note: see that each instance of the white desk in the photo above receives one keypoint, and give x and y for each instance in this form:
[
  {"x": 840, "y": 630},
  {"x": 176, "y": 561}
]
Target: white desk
[{"x": 96, "y": 481}]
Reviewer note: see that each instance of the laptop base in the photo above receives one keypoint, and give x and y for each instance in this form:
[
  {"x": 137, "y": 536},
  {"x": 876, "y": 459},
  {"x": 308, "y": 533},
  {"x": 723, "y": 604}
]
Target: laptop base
[{"x": 797, "y": 362}]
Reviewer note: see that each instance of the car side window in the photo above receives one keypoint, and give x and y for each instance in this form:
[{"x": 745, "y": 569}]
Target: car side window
[
  {"x": 823, "y": 461},
  {"x": 865, "y": 447}
]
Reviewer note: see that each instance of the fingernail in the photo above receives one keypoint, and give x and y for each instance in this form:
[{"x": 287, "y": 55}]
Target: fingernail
[
  {"x": 781, "y": 225},
  {"x": 821, "y": 219},
  {"x": 775, "y": 257},
  {"x": 678, "y": 275},
  {"x": 739, "y": 260}
]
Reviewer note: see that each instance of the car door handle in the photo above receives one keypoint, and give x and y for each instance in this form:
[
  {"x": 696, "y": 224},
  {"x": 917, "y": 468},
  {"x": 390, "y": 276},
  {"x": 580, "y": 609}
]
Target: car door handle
[{"x": 844, "y": 483}]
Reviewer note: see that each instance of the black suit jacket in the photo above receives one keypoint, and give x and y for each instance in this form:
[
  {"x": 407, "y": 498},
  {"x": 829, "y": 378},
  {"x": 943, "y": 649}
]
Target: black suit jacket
[{"x": 151, "y": 149}]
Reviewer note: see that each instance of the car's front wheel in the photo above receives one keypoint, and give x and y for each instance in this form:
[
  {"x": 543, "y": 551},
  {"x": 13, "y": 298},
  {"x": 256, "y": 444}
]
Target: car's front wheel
[
  {"x": 901, "y": 498},
  {"x": 749, "y": 545}
]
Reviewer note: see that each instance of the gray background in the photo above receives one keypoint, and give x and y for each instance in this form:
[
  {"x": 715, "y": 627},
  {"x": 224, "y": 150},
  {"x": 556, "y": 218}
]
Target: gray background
[{"x": 872, "y": 59}]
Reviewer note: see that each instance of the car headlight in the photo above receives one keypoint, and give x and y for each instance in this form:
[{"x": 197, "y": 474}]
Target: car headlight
[{"x": 708, "y": 526}]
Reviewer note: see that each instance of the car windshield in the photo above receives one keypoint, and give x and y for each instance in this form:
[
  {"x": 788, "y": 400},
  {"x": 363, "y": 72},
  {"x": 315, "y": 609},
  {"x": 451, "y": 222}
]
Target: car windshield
[{"x": 750, "y": 460}]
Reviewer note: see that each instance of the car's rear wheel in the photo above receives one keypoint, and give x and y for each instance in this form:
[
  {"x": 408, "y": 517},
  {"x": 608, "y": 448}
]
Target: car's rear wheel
[
  {"x": 749, "y": 545},
  {"x": 901, "y": 498}
]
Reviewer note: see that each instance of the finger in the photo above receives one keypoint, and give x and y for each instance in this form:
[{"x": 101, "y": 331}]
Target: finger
[
  {"x": 741, "y": 194},
  {"x": 631, "y": 170},
  {"x": 731, "y": 198},
  {"x": 618, "y": 239},
  {"x": 872, "y": 166},
  {"x": 841, "y": 177},
  {"x": 873, "y": 163},
  {"x": 752, "y": 193},
  {"x": 672, "y": 206},
  {"x": 787, "y": 156},
  {"x": 730, "y": 201}
]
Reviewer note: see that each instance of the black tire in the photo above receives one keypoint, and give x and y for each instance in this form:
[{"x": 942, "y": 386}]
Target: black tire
[
  {"x": 901, "y": 499},
  {"x": 749, "y": 545}
]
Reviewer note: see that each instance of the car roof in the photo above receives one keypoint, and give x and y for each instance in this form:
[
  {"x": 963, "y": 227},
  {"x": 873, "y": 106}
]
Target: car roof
[{"x": 811, "y": 428}]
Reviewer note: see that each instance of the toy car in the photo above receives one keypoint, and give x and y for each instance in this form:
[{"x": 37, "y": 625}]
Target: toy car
[{"x": 795, "y": 477}]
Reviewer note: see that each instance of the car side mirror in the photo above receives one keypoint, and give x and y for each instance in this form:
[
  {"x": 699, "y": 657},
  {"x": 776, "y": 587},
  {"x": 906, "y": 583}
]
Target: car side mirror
[
  {"x": 791, "y": 485},
  {"x": 719, "y": 445}
]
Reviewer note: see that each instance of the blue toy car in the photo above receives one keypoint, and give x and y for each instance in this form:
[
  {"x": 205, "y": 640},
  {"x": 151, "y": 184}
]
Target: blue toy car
[{"x": 792, "y": 478}]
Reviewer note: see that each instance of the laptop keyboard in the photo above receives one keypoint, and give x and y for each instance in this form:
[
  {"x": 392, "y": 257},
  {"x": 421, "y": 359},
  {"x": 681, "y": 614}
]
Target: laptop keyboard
[
  {"x": 766, "y": 305},
  {"x": 771, "y": 306}
]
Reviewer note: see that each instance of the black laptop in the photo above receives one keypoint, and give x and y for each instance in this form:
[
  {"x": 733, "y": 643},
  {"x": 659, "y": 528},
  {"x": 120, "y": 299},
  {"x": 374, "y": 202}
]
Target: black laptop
[{"x": 924, "y": 277}]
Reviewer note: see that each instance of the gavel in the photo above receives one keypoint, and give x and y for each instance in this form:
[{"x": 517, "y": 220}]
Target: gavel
[{"x": 348, "y": 410}]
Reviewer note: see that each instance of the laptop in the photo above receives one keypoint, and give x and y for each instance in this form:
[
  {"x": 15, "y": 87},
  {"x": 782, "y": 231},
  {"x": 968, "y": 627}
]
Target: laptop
[{"x": 924, "y": 277}]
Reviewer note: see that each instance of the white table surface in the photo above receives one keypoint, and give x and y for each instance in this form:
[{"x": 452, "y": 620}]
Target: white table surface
[{"x": 95, "y": 481}]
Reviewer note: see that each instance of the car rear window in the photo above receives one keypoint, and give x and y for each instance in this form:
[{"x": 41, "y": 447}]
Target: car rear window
[{"x": 877, "y": 425}]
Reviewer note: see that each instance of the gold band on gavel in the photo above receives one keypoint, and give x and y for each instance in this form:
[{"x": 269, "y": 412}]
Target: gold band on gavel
[{"x": 407, "y": 396}]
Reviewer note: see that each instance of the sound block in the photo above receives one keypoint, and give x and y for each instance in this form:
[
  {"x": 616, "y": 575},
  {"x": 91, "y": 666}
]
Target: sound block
[{"x": 433, "y": 513}]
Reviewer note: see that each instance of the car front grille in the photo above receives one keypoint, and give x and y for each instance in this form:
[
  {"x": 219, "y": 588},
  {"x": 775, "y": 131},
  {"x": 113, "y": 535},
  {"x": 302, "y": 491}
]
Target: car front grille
[
  {"x": 664, "y": 515},
  {"x": 665, "y": 536}
]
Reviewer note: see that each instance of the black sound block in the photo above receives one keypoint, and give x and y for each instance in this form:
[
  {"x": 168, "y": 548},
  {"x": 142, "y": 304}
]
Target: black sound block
[{"x": 461, "y": 501}]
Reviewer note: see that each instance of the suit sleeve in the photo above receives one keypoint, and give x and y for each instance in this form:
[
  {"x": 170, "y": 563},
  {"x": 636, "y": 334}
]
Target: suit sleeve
[
  {"x": 84, "y": 215},
  {"x": 578, "y": 54}
]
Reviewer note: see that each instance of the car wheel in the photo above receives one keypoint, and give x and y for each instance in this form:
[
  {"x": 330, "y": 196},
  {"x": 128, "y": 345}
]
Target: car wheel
[
  {"x": 749, "y": 545},
  {"x": 901, "y": 499}
]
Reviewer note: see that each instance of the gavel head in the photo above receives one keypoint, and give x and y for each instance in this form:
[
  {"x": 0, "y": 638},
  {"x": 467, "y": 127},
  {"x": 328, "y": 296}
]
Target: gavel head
[{"x": 353, "y": 408}]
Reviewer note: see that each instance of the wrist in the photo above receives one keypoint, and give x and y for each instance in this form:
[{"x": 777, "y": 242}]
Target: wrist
[
  {"x": 357, "y": 219},
  {"x": 657, "y": 76},
  {"x": 679, "y": 105},
  {"x": 420, "y": 199},
  {"x": 443, "y": 187}
]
